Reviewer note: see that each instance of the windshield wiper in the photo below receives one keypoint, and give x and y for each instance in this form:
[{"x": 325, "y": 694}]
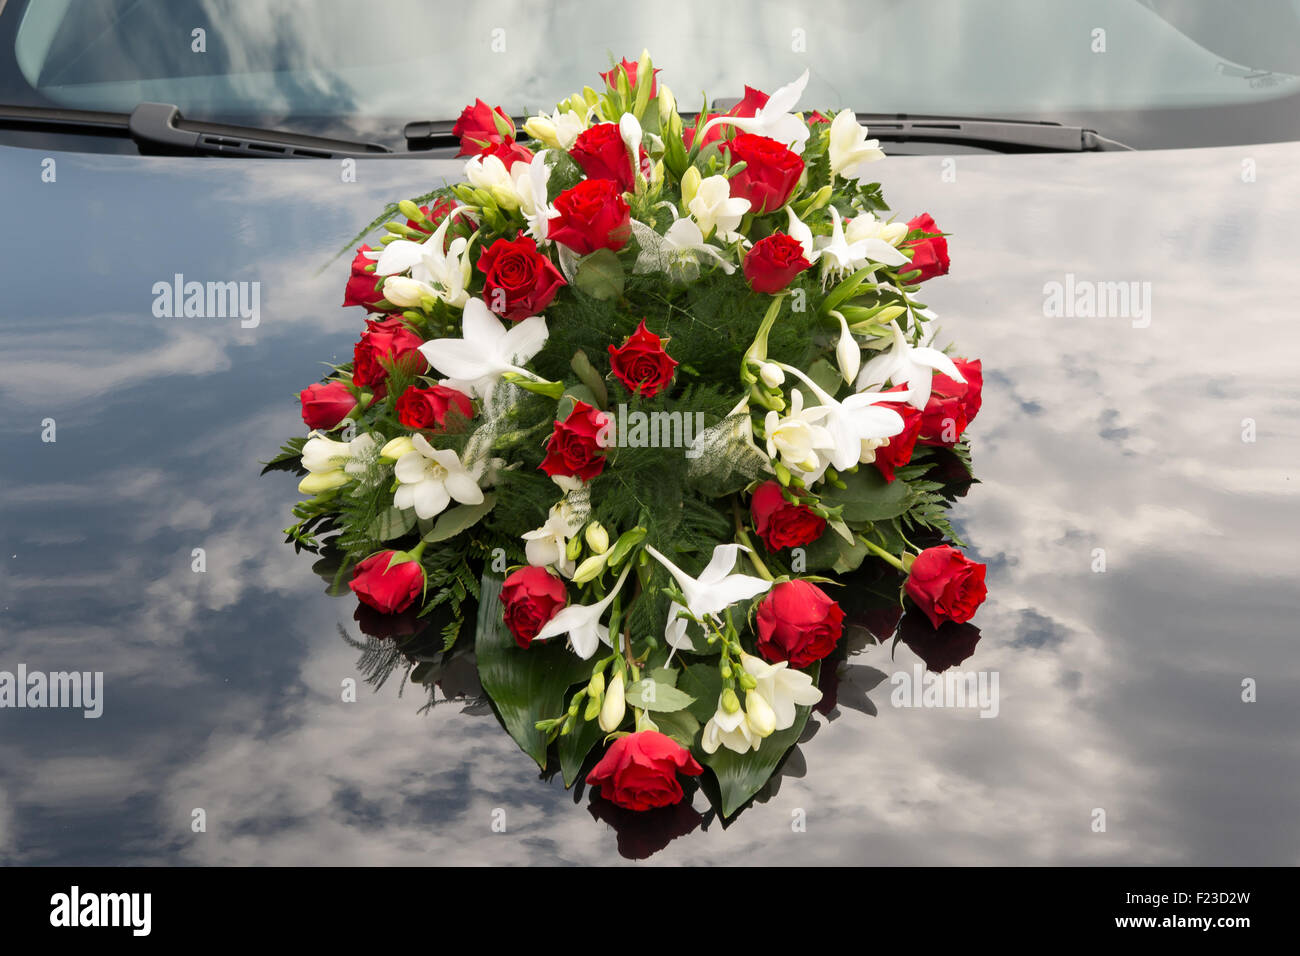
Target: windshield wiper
[
  {"x": 998, "y": 135},
  {"x": 159, "y": 129}
]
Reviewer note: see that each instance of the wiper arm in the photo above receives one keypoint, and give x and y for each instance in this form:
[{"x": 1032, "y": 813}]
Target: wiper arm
[
  {"x": 1000, "y": 135},
  {"x": 159, "y": 128}
]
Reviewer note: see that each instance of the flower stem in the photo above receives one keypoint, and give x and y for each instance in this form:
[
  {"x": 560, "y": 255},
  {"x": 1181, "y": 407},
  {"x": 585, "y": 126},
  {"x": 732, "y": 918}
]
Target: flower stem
[
  {"x": 741, "y": 534},
  {"x": 880, "y": 552}
]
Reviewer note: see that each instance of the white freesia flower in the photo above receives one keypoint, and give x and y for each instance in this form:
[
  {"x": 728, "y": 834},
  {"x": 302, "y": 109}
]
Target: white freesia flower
[
  {"x": 547, "y": 545},
  {"x": 781, "y": 688},
  {"x": 759, "y": 715},
  {"x": 774, "y": 119},
  {"x": 839, "y": 255},
  {"x": 848, "y": 353},
  {"x": 332, "y": 464},
  {"x": 852, "y": 420},
  {"x": 486, "y": 350},
  {"x": 491, "y": 174},
  {"x": 798, "y": 230},
  {"x": 558, "y": 130},
  {"x": 714, "y": 207},
  {"x": 582, "y": 622},
  {"x": 797, "y": 436},
  {"x": 866, "y": 226},
  {"x": 529, "y": 182},
  {"x": 716, "y": 588},
  {"x": 905, "y": 362},
  {"x": 430, "y": 478},
  {"x": 728, "y": 730},
  {"x": 435, "y": 274},
  {"x": 850, "y": 150}
]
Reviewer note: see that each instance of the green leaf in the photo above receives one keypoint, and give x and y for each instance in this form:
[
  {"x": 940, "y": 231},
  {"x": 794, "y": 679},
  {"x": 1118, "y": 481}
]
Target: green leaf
[
  {"x": 651, "y": 695},
  {"x": 740, "y": 776},
  {"x": 867, "y": 496},
  {"x": 574, "y": 747},
  {"x": 525, "y": 685},
  {"x": 587, "y": 373},
  {"x": 392, "y": 523},
  {"x": 679, "y": 725},
  {"x": 830, "y": 551},
  {"x": 458, "y": 519},
  {"x": 600, "y": 275}
]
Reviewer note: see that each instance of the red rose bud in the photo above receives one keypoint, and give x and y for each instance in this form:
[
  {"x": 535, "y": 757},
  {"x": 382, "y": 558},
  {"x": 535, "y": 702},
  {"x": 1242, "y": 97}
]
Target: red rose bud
[
  {"x": 771, "y": 172},
  {"x": 478, "y": 129},
  {"x": 953, "y": 405},
  {"x": 429, "y": 408},
  {"x": 324, "y": 406},
  {"x": 929, "y": 255},
  {"x": 773, "y": 262},
  {"x": 364, "y": 288},
  {"x": 519, "y": 282},
  {"x": 946, "y": 585},
  {"x": 390, "y": 340},
  {"x": 389, "y": 590},
  {"x": 799, "y": 623},
  {"x": 751, "y": 103},
  {"x": 435, "y": 214},
  {"x": 575, "y": 447},
  {"x": 899, "y": 451},
  {"x": 593, "y": 215},
  {"x": 601, "y": 153},
  {"x": 530, "y": 597},
  {"x": 780, "y": 523},
  {"x": 641, "y": 363},
  {"x": 611, "y": 77},
  {"x": 639, "y": 771}
]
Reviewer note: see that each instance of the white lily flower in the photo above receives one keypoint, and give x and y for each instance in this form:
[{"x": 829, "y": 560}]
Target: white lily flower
[
  {"x": 728, "y": 730},
  {"x": 905, "y": 362},
  {"x": 582, "y": 622},
  {"x": 548, "y": 545},
  {"x": 797, "y": 436},
  {"x": 774, "y": 119},
  {"x": 686, "y": 243},
  {"x": 839, "y": 256},
  {"x": 850, "y": 151},
  {"x": 629, "y": 129},
  {"x": 716, "y": 589},
  {"x": 675, "y": 635},
  {"x": 430, "y": 478},
  {"x": 799, "y": 231},
  {"x": 486, "y": 350},
  {"x": 529, "y": 182},
  {"x": 714, "y": 208},
  {"x": 435, "y": 274},
  {"x": 781, "y": 688},
  {"x": 852, "y": 420}
]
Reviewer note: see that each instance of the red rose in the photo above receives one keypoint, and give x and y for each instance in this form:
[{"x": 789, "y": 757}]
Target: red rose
[
  {"x": 478, "y": 130},
  {"x": 593, "y": 215},
  {"x": 436, "y": 214},
  {"x": 773, "y": 262},
  {"x": 770, "y": 174},
  {"x": 641, "y": 363},
  {"x": 929, "y": 255},
  {"x": 799, "y": 623},
  {"x": 780, "y": 523},
  {"x": 364, "y": 288},
  {"x": 952, "y": 405},
  {"x": 611, "y": 77},
  {"x": 428, "y": 408},
  {"x": 531, "y": 597},
  {"x": 601, "y": 153},
  {"x": 575, "y": 445},
  {"x": 390, "y": 340},
  {"x": 946, "y": 585},
  {"x": 324, "y": 406},
  {"x": 899, "y": 451},
  {"x": 639, "y": 771},
  {"x": 519, "y": 281},
  {"x": 751, "y": 103},
  {"x": 389, "y": 590},
  {"x": 510, "y": 153}
]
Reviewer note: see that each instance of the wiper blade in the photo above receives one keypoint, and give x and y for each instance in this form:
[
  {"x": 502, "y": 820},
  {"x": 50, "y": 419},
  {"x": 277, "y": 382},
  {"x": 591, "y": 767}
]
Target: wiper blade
[
  {"x": 998, "y": 135},
  {"x": 159, "y": 129}
]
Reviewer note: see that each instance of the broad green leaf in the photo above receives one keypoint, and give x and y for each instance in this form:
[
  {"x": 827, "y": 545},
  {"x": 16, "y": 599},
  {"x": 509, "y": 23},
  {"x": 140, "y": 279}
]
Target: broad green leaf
[
  {"x": 600, "y": 275},
  {"x": 650, "y": 695},
  {"x": 525, "y": 685},
  {"x": 867, "y": 496},
  {"x": 452, "y": 522},
  {"x": 679, "y": 725},
  {"x": 574, "y": 747},
  {"x": 832, "y": 552},
  {"x": 392, "y": 523}
]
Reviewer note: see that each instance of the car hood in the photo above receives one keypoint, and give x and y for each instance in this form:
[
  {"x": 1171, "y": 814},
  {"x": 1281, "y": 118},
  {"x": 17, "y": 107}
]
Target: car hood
[{"x": 1137, "y": 513}]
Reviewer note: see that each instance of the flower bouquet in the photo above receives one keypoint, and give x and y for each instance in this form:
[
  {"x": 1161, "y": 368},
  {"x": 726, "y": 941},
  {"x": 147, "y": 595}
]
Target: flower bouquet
[{"x": 635, "y": 399}]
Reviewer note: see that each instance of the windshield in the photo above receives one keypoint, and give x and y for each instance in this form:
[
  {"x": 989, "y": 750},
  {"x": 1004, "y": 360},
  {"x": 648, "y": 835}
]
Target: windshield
[{"x": 394, "y": 61}]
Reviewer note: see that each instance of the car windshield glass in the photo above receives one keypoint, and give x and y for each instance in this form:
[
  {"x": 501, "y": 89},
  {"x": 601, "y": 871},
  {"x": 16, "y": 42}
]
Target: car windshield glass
[{"x": 412, "y": 59}]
